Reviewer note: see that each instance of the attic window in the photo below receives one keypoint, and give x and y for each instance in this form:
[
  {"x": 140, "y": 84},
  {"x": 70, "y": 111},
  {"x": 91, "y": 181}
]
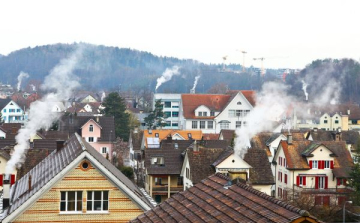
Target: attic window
[
  {"x": 189, "y": 135},
  {"x": 157, "y": 135},
  {"x": 11, "y": 104},
  {"x": 91, "y": 128},
  {"x": 157, "y": 161},
  {"x": 176, "y": 146},
  {"x": 85, "y": 166},
  {"x": 239, "y": 102}
]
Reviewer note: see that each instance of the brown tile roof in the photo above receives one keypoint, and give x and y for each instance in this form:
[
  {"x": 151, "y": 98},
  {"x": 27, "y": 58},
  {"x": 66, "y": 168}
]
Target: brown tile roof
[
  {"x": 249, "y": 95},
  {"x": 173, "y": 157},
  {"x": 44, "y": 144},
  {"x": 215, "y": 102},
  {"x": 200, "y": 162},
  {"x": 210, "y": 136},
  {"x": 260, "y": 173},
  {"x": 210, "y": 201},
  {"x": 7, "y": 143},
  {"x": 57, "y": 135},
  {"x": 227, "y": 135},
  {"x": 293, "y": 154},
  {"x": 137, "y": 139},
  {"x": 259, "y": 142}
]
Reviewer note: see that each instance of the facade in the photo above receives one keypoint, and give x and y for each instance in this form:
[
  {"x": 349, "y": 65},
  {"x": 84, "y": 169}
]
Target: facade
[
  {"x": 317, "y": 168},
  {"x": 212, "y": 113},
  {"x": 83, "y": 187},
  {"x": 12, "y": 112},
  {"x": 218, "y": 199},
  {"x": 172, "y": 110}
]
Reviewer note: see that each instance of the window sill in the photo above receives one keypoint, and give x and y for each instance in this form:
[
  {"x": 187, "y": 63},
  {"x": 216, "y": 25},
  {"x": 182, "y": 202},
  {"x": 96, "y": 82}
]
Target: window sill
[
  {"x": 83, "y": 213},
  {"x": 97, "y": 212},
  {"x": 70, "y": 212}
]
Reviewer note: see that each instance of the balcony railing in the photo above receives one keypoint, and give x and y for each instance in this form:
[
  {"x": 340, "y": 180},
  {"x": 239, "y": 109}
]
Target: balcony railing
[
  {"x": 338, "y": 190},
  {"x": 164, "y": 188}
]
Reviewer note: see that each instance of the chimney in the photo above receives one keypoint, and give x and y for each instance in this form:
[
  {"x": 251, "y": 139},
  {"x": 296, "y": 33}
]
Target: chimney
[
  {"x": 289, "y": 139},
  {"x": 169, "y": 138},
  {"x": 315, "y": 129},
  {"x": 195, "y": 147},
  {"x": 150, "y": 131},
  {"x": 348, "y": 111},
  {"x": 6, "y": 181},
  {"x": 59, "y": 144},
  {"x": 97, "y": 119},
  {"x": 29, "y": 181}
]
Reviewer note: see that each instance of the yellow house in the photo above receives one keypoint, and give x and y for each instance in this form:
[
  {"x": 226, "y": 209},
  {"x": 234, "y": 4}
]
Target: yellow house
[{"x": 74, "y": 184}]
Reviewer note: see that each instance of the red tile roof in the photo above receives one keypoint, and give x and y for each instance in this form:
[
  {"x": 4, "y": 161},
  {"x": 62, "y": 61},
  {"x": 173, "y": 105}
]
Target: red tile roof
[
  {"x": 249, "y": 95},
  {"x": 211, "y": 201},
  {"x": 215, "y": 102}
]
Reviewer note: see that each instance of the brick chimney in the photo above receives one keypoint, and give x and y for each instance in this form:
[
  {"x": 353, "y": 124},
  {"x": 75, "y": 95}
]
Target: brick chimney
[{"x": 289, "y": 139}]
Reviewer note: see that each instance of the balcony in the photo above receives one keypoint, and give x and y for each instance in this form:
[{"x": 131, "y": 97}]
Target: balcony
[
  {"x": 164, "y": 188},
  {"x": 338, "y": 190}
]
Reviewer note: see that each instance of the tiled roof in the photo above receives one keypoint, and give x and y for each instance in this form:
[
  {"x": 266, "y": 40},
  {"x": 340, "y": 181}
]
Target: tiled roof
[
  {"x": 33, "y": 158},
  {"x": 350, "y": 137},
  {"x": 259, "y": 142},
  {"x": 249, "y": 95},
  {"x": 7, "y": 142},
  {"x": 164, "y": 133},
  {"x": 260, "y": 173},
  {"x": 227, "y": 135},
  {"x": 210, "y": 136},
  {"x": 72, "y": 124},
  {"x": 44, "y": 144},
  {"x": 137, "y": 139},
  {"x": 54, "y": 163},
  {"x": 56, "y": 135},
  {"x": 215, "y": 102},
  {"x": 293, "y": 154},
  {"x": 173, "y": 157},
  {"x": 4, "y": 154},
  {"x": 210, "y": 201}
]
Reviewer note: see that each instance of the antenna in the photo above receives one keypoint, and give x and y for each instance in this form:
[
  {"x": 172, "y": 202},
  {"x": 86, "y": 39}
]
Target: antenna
[
  {"x": 224, "y": 59},
  {"x": 262, "y": 65}
]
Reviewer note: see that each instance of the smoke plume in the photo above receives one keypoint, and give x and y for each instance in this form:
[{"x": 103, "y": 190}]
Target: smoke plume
[
  {"x": 167, "y": 75},
  {"x": 272, "y": 103},
  {"x": 21, "y": 76},
  {"x": 195, "y": 83},
  {"x": 33, "y": 87},
  {"x": 304, "y": 86},
  {"x": 103, "y": 95},
  {"x": 62, "y": 82}
]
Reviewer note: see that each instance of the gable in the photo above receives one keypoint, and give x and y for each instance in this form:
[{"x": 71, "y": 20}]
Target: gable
[
  {"x": 92, "y": 179},
  {"x": 177, "y": 136},
  {"x": 321, "y": 152},
  {"x": 232, "y": 162},
  {"x": 91, "y": 122}
]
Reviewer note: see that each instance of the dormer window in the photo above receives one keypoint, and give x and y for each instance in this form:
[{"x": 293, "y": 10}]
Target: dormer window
[
  {"x": 189, "y": 135},
  {"x": 200, "y": 114},
  {"x": 204, "y": 113},
  {"x": 157, "y": 161},
  {"x": 239, "y": 103},
  {"x": 91, "y": 128},
  {"x": 212, "y": 113},
  {"x": 157, "y": 135}
]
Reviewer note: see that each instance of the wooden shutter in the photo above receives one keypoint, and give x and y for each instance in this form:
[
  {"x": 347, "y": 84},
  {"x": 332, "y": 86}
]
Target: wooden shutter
[
  {"x": 326, "y": 200},
  {"x": 344, "y": 182},
  {"x": 326, "y": 182},
  {"x": 304, "y": 180},
  {"x": 12, "y": 179},
  {"x": 310, "y": 164},
  {"x": 332, "y": 164},
  {"x": 285, "y": 180},
  {"x": 316, "y": 182},
  {"x": 338, "y": 182},
  {"x": 1, "y": 180},
  {"x": 298, "y": 180}
]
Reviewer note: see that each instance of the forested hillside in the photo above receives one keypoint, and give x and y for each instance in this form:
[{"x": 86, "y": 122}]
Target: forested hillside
[{"x": 110, "y": 68}]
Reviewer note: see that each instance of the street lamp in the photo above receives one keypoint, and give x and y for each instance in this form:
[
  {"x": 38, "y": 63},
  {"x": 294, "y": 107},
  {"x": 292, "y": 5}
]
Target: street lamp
[{"x": 350, "y": 202}]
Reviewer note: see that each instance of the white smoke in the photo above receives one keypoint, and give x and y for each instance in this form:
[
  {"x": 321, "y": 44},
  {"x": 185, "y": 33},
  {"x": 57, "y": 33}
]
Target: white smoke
[
  {"x": 195, "y": 83},
  {"x": 103, "y": 95},
  {"x": 167, "y": 75},
  {"x": 33, "y": 87},
  {"x": 21, "y": 76},
  {"x": 62, "y": 81},
  {"x": 272, "y": 103},
  {"x": 304, "y": 86}
]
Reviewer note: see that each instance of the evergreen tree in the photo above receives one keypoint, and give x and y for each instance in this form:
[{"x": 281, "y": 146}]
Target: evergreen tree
[
  {"x": 355, "y": 177},
  {"x": 115, "y": 107},
  {"x": 156, "y": 117}
]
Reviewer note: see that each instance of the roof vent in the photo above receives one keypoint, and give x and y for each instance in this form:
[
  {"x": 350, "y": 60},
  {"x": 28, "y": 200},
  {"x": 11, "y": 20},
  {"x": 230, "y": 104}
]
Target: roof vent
[{"x": 227, "y": 185}]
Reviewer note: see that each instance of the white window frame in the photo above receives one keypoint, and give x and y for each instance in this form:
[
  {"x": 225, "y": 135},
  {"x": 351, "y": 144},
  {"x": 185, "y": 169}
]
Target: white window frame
[
  {"x": 210, "y": 126},
  {"x": 238, "y": 124},
  {"x": 194, "y": 124},
  {"x": 224, "y": 125},
  {"x": 326, "y": 164},
  {"x": 93, "y": 139},
  {"x": 67, "y": 201},
  {"x": 93, "y": 200},
  {"x": 231, "y": 113},
  {"x": 91, "y": 128},
  {"x": 202, "y": 125},
  {"x": 315, "y": 164},
  {"x": 321, "y": 183},
  {"x": 102, "y": 150}
]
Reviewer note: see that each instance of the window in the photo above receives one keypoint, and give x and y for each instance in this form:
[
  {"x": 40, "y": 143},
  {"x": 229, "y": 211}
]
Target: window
[
  {"x": 321, "y": 183},
  {"x": 210, "y": 124},
  {"x": 327, "y": 164},
  {"x": 168, "y": 123},
  {"x": 204, "y": 113},
  {"x": 167, "y": 104},
  {"x": 91, "y": 128},
  {"x": 11, "y": 110},
  {"x": 314, "y": 164},
  {"x": 194, "y": 124},
  {"x": 167, "y": 114},
  {"x": 189, "y": 135},
  {"x": 180, "y": 181},
  {"x": 187, "y": 173},
  {"x": 71, "y": 201},
  {"x": 325, "y": 121},
  {"x": 4, "y": 110},
  {"x": 244, "y": 123},
  {"x": 246, "y": 113},
  {"x": 239, "y": 113},
  {"x": 239, "y": 103},
  {"x": 224, "y": 125},
  {"x": 17, "y": 110},
  {"x": 285, "y": 178},
  {"x": 212, "y": 113},
  {"x": 175, "y": 124},
  {"x": 200, "y": 114},
  {"x": 238, "y": 124},
  {"x": 157, "y": 161},
  {"x": 336, "y": 121},
  {"x": 91, "y": 139},
  {"x": 231, "y": 113},
  {"x": 175, "y": 114},
  {"x": 202, "y": 124},
  {"x": 97, "y": 200},
  {"x": 104, "y": 150},
  {"x": 175, "y": 104}
]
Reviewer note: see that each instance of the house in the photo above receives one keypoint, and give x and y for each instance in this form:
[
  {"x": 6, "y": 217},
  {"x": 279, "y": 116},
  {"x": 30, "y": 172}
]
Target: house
[
  {"x": 153, "y": 137},
  {"x": 11, "y": 112},
  {"x": 9, "y": 130},
  {"x": 218, "y": 199},
  {"x": 317, "y": 168},
  {"x": 163, "y": 168},
  {"x": 172, "y": 105},
  {"x": 89, "y": 108},
  {"x": 213, "y": 112},
  {"x": 74, "y": 184},
  {"x": 98, "y": 131}
]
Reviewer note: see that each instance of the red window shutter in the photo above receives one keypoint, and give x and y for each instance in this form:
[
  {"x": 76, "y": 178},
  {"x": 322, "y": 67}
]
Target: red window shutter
[
  {"x": 326, "y": 200},
  {"x": 317, "y": 200},
  {"x": 298, "y": 180},
  {"x": 1, "y": 180},
  {"x": 304, "y": 180},
  {"x": 338, "y": 182},
  {"x": 316, "y": 182},
  {"x": 326, "y": 182},
  {"x": 344, "y": 182},
  {"x": 320, "y": 164},
  {"x": 285, "y": 178},
  {"x": 332, "y": 164},
  {"x": 12, "y": 179},
  {"x": 310, "y": 164}
]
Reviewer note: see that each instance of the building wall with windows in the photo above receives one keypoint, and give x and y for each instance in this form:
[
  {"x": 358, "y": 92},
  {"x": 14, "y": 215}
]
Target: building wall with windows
[
  {"x": 172, "y": 110},
  {"x": 13, "y": 113},
  {"x": 48, "y": 207},
  {"x": 234, "y": 114}
]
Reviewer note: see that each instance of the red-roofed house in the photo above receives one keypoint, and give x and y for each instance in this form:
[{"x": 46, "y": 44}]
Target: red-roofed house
[{"x": 213, "y": 112}]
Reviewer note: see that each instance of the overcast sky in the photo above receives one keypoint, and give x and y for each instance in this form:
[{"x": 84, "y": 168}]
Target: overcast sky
[{"x": 286, "y": 33}]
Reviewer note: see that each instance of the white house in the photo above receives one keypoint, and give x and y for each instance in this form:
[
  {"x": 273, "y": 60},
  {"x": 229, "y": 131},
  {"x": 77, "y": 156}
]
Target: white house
[
  {"x": 12, "y": 112},
  {"x": 172, "y": 110}
]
